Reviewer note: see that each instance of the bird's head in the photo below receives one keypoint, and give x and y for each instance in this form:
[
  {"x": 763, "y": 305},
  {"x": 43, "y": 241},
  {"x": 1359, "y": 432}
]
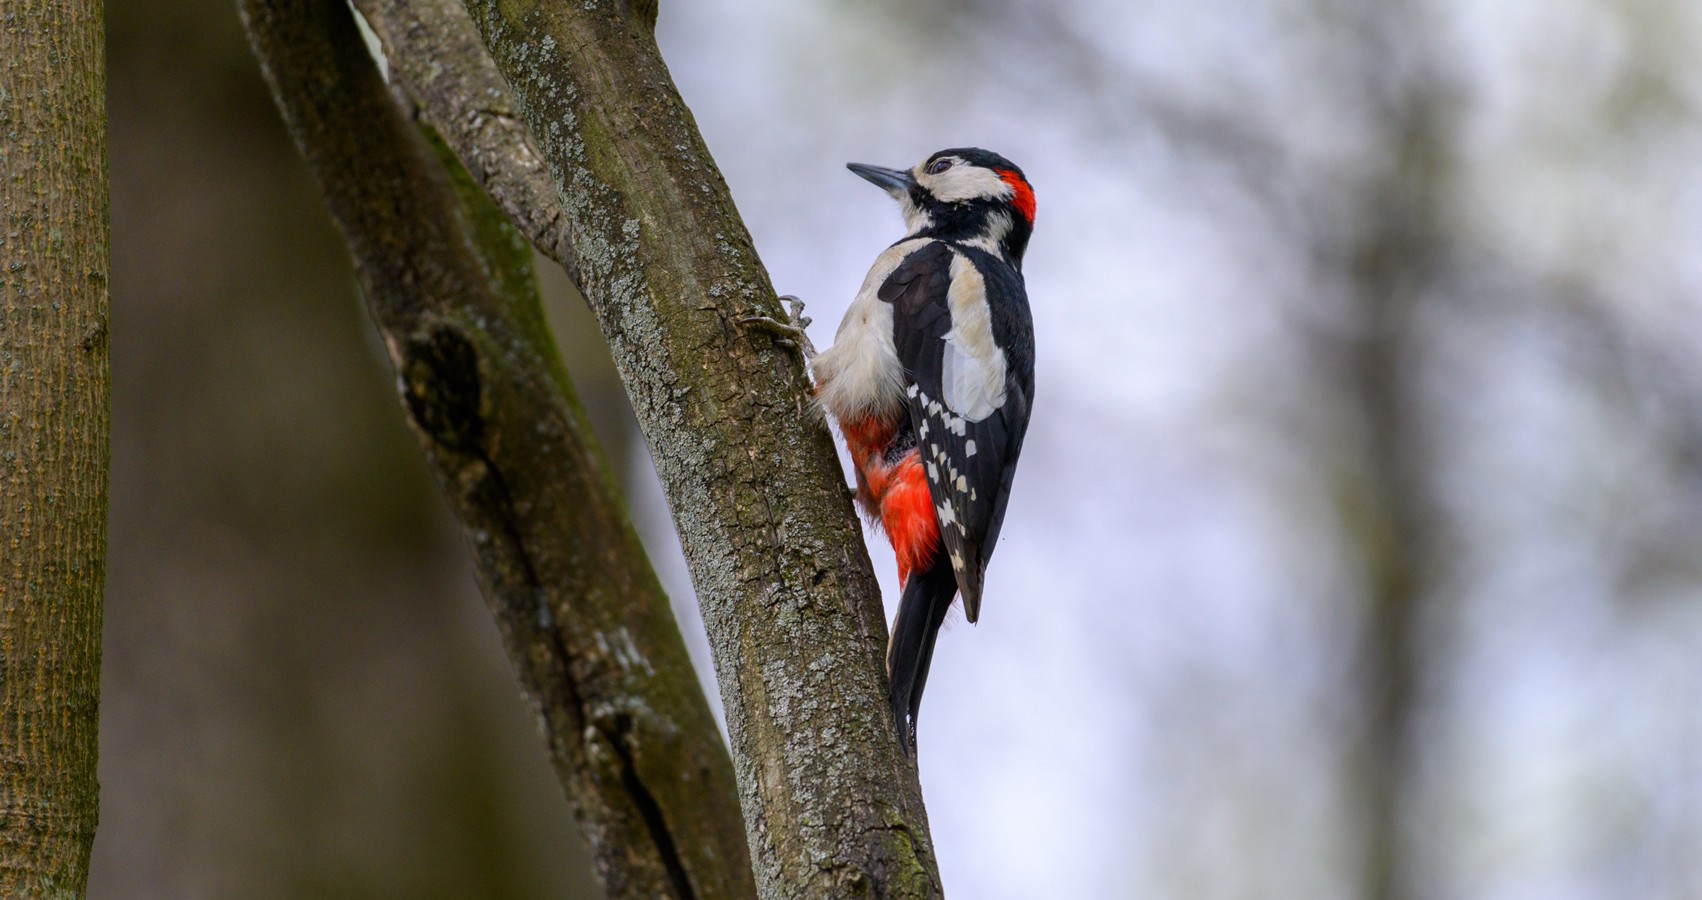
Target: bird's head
[{"x": 968, "y": 195}]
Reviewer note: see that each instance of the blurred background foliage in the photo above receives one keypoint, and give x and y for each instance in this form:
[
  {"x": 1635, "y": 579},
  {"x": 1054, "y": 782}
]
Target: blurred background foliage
[{"x": 1355, "y": 547}]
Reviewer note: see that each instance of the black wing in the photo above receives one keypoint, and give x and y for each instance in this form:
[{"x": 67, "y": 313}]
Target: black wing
[{"x": 969, "y": 461}]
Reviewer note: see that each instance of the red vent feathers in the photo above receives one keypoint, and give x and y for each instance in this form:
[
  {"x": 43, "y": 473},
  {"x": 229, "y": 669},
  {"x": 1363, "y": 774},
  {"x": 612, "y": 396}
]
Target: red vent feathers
[{"x": 907, "y": 514}]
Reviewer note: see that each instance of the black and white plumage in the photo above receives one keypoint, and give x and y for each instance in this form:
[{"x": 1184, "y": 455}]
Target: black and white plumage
[
  {"x": 931, "y": 377},
  {"x": 961, "y": 327}
]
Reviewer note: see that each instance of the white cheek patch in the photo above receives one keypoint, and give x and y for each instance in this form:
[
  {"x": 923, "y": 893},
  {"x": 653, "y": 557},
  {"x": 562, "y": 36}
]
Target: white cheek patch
[
  {"x": 966, "y": 182},
  {"x": 973, "y": 371}
]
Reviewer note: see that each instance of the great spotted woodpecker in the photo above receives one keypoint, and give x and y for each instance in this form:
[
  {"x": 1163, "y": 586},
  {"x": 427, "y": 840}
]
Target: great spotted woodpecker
[{"x": 930, "y": 378}]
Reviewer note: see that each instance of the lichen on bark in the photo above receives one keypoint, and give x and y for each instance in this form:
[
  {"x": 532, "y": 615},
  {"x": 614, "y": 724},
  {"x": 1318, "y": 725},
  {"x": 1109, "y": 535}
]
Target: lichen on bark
[{"x": 788, "y": 595}]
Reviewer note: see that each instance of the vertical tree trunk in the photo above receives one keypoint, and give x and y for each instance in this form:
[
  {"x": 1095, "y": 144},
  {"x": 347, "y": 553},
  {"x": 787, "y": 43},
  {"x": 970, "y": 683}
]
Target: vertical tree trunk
[
  {"x": 53, "y": 438},
  {"x": 1389, "y": 270}
]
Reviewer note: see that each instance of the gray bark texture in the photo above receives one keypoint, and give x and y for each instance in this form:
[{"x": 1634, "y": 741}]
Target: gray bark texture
[
  {"x": 589, "y": 630},
  {"x": 54, "y": 383},
  {"x": 831, "y": 802},
  {"x": 435, "y": 55}
]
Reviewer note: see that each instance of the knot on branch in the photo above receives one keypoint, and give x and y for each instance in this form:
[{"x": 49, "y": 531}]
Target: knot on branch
[{"x": 442, "y": 387}]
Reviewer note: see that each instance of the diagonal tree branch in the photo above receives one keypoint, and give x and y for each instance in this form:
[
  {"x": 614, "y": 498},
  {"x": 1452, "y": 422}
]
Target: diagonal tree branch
[
  {"x": 587, "y": 625},
  {"x": 435, "y": 55},
  {"x": 831, "y": 803}
]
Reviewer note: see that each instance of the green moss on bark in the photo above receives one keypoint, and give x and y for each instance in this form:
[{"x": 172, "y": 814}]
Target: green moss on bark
[
  {"x": 788, "y": 595},
  {"x": 588, "y": 628}
]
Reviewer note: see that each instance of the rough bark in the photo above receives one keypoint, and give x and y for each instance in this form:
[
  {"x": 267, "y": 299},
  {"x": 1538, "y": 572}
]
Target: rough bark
[
  {"x": 831, "y": 803},
  {"x": 435, "y": 55},
  {"x": 53, "y": 438},
  {"x": 587, "y": 625}
]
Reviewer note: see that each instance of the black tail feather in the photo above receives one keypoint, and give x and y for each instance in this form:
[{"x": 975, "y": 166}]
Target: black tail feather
[{"x": 921, "y": 611}]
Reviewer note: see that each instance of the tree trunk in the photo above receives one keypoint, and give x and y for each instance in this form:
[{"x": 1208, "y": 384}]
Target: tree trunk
[
  {"x": 590, "y": 632},
  {"x": 53, "y": 438},
  {"x": 1396, "y": 246},
  {"x": 434, "y": 54},
  {"x": 831, "y": 802}
]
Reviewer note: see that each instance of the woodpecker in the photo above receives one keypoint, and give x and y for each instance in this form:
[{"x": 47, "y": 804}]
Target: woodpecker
[{"x": 930, "y": 377}]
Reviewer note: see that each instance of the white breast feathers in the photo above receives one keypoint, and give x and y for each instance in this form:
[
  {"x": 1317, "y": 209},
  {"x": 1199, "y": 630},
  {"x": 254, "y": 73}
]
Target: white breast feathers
[{"x": 860, "y": 374}]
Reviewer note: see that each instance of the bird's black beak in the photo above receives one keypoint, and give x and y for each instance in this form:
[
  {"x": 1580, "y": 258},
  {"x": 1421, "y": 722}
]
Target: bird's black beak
[{"x": 896, "y": 182}]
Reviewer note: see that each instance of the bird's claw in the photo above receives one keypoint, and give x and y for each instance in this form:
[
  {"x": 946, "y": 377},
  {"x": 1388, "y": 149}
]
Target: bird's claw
[{"x": 791, "y": 332}]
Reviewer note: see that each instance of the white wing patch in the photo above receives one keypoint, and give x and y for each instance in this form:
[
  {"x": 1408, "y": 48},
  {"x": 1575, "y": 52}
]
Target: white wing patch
[{"x": 973, "y": 370}]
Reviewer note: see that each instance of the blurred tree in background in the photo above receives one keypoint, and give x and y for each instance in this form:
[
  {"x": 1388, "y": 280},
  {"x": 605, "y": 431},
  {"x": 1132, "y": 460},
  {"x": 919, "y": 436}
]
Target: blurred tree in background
[{"x": 301, "y": 701}]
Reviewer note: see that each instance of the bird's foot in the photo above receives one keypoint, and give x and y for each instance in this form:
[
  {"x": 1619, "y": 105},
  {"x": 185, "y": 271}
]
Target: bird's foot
[{"x": 791, "y": 332}]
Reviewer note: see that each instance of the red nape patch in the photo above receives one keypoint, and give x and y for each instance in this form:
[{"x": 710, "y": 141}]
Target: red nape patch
[
  {"x": 907, "y": 514},
  {"x": 1023, "y": 199}
]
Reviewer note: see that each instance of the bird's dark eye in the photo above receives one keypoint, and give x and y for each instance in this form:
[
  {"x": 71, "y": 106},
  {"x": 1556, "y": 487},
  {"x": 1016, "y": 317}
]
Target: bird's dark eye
[{"x": 938, "y": 166}]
